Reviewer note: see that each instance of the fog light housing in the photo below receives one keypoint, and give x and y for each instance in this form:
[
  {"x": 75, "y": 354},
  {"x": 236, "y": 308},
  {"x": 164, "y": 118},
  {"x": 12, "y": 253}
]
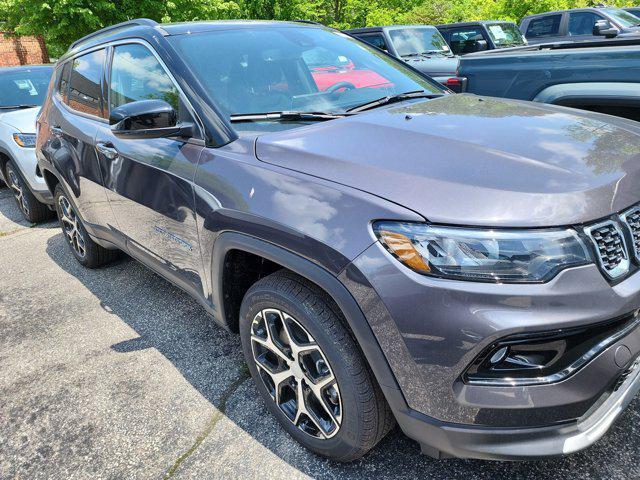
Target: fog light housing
[{"x": 545, "y": 357}]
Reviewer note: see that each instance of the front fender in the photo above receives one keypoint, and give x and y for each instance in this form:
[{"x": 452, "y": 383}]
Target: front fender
[{"x": 329, "y": 283}]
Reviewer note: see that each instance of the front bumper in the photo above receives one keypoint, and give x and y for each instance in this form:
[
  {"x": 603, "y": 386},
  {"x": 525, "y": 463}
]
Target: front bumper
[
  {"x": 431, "y": 329},
  {"x": 443, "y": 440}
]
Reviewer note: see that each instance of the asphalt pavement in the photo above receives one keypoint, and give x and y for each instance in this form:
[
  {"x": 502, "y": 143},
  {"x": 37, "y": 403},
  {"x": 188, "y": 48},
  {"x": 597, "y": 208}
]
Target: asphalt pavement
[{"x": 114, "y": 373}]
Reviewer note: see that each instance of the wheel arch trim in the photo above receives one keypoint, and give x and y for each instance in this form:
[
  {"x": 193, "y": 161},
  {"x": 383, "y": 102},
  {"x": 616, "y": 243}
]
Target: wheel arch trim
[
  {"x": 354, "y": 316},
  {"x": 619, "y": 92}
]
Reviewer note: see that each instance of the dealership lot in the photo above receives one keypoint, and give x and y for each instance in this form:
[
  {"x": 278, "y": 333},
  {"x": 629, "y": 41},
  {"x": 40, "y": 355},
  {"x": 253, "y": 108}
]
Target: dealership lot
[{"x": 114, "y": 373}]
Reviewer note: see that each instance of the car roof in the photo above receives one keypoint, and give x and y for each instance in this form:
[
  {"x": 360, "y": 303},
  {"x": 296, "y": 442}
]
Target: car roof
[
  {"x": 385, "y": 27},
  {"x": 143, "y": 27},
  {"x": 471, "y": 24}
]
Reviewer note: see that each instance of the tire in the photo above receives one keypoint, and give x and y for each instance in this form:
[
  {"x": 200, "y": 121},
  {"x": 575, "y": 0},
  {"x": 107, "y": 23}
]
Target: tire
[
  {"x": 353, "y": 415},
  {"x": 32, "y": 209},
  {"x": 87, "y": 252}
]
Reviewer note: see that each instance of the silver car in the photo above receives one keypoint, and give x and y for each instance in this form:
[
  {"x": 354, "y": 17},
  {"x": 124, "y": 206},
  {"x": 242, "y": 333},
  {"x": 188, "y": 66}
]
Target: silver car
[{"x": 22, "y": 92}]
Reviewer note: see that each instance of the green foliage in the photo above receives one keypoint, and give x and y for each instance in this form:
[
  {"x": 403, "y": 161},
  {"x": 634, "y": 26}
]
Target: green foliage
[{"x": 63, "y": 21}]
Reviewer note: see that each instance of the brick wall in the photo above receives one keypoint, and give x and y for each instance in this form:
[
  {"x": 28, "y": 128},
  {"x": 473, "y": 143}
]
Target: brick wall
[{"x": 16, "y": 50}]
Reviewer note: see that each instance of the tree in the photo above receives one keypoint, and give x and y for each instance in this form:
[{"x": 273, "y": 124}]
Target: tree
[{"x": 63, "y": 21}]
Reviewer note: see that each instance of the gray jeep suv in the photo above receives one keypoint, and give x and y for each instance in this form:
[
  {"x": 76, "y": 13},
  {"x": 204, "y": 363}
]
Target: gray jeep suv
[{"x": 387, "y": 250}]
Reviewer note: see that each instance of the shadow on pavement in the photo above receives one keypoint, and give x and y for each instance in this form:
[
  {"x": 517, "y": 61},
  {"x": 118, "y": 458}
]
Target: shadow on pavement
[{"x": 168, "y": 320}]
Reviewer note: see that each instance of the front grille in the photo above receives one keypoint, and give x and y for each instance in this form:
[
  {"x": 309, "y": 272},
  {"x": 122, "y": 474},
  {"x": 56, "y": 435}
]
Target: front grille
[
  {"x": 610, "y": 247},
  {"x": 631, "y": 219}
]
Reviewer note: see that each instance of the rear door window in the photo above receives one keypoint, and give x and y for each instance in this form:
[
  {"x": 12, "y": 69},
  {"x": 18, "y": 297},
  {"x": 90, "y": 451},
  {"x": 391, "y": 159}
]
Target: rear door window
[
  {"x": 85, "y": 85},
  {"x": 582, "y": 23},
  {"x": 547, "y": 26}
]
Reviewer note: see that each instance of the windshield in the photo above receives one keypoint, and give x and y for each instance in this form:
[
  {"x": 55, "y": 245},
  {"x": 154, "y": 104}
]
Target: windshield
[
  {"x": 417, "y": 40},
  {"x": 505, "y": 34},
  {"x": 290, "y": 68},
  {"x": 624, "y": 19},
  {"x": 24, "y": 86}
]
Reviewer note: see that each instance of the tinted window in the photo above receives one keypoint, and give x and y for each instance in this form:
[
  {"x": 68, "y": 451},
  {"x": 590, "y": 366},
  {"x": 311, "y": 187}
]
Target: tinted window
[
  {"x": 85, "y": 86},
  {"x": 582, "y": 23},
  {"x": 63, "y": 82},
  {"x": 544, "y": 26},
  {"x": 375, "y": 40},
  {"x": 24, "y": 86},
  {"x": 411, "y": 41},
  {"x": 136, "y": 74},
  {"x": 292, "y": 68},
  {"x": 465, "y": 40}
]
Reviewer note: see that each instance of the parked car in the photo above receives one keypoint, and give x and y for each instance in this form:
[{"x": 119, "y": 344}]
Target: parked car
[
  {"x": 633, "y": 10},
  {"x": 470, "y": 37},
  {"x": 22, "y": 91},
  {"x": 465, "y": 265},
  {"x": 421, "y": 46},
  {"x": 599, "y": 76},
  {"x": 579, "y": 25}
]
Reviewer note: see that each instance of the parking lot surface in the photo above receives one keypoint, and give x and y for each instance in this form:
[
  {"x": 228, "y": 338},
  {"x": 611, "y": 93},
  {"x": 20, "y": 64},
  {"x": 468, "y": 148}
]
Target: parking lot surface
[{"x": 115, "y": 373}]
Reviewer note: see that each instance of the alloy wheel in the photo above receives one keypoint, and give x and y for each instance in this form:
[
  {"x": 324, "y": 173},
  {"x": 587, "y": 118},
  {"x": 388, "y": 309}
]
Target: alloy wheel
[
  {"x": 71, "y": 226},
  {"x": 18, "y": 192},
  {"x": 296, "y": 373}
]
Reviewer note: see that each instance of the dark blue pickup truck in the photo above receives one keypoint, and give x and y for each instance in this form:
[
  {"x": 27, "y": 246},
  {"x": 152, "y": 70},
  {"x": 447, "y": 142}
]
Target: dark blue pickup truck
[{"x": 602, "y": 76}]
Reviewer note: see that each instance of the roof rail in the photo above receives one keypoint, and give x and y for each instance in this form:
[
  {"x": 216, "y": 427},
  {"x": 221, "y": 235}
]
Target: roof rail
[{"x": 137, "y": 21}]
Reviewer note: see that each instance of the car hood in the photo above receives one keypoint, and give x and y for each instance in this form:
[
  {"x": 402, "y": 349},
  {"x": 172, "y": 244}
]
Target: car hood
[
  {"x": 468, "y": 160},
  {"x": 22, "y": 120},
  {"x": 435, "y": 65}
]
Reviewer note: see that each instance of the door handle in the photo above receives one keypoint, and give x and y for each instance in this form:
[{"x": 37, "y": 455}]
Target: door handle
[
  {"x": 56, "y": 131},
  {"x": 107, "y": 150}
]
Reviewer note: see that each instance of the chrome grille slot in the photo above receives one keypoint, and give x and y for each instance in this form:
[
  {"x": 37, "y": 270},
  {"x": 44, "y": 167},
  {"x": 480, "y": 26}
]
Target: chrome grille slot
[
  {"x": 610, "y": 247},
  {"x": 631, "y": 219}
]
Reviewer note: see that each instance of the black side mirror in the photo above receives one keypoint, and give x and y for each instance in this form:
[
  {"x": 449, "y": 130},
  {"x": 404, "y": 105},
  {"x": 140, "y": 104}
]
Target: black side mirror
[
  {"x": 603, "y": 28},
  {"x": 147, "y": 119}
]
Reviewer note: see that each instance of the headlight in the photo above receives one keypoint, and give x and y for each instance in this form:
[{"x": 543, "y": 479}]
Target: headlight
[
  {"x": 25, "y": 140},
  {"x": 483, "y": 255}
]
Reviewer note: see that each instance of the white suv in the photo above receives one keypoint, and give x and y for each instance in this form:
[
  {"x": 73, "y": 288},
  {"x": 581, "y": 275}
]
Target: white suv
[{"x": 22, "y": 92}]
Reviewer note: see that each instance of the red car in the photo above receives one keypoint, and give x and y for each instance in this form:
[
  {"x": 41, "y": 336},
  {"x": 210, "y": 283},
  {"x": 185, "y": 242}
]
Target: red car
[{"x": 326, "y": 77}]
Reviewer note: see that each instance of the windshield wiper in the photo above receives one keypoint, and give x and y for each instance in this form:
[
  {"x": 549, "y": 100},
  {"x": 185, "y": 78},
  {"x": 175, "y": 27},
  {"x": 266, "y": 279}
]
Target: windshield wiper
[
  {"x": 425, "y": 54},
  {"x": 285, "y": 115},
  {"x": 15, "y": 107},
  {"x": 394, "y": 98}
]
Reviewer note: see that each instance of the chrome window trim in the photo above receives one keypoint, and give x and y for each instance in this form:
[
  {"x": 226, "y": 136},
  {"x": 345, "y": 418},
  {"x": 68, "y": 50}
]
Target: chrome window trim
[{"x": 625, "y": 264}]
